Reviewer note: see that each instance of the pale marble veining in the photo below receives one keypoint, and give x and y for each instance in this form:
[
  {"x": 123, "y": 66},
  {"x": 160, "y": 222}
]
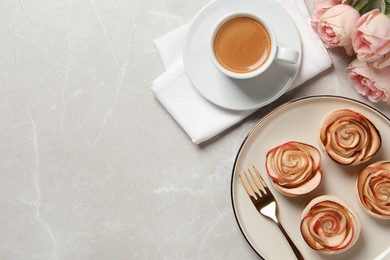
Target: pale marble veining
[{"x": 92, "y": 166}]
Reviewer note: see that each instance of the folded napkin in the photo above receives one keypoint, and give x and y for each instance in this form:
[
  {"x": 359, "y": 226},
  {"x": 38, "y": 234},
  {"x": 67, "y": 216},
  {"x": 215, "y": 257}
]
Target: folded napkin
[{"x": 199, "y": 118}]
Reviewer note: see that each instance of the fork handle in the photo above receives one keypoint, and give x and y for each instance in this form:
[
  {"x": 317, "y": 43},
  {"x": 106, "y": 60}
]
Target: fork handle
[{"x": 293, "y": 246}]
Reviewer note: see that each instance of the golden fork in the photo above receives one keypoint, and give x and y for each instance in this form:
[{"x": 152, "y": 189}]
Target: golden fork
[{"x": 265, "y": 202}]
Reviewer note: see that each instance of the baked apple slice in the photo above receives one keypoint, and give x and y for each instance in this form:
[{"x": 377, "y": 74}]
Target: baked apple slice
[
  {"x": 294, "y": 168},
  {"x": 349, "y": 138},
  {"x": 373, "y": 186},
  {"x": 330, "y": 225}
]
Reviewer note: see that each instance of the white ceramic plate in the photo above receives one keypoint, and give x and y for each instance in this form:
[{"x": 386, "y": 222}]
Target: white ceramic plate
[
  {"x": 300, "y": 120},
  {"x": 232, "y": 93}
]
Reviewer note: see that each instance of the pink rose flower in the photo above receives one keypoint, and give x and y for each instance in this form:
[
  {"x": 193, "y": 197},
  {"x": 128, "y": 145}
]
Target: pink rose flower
[
  {"x": 320, "y": 7},
  {"x": 370, "y": 81},
  {"x": 336, "y": 25},
  {"x": 382, "y": 62},
  {"x": 371, "y": 38}
]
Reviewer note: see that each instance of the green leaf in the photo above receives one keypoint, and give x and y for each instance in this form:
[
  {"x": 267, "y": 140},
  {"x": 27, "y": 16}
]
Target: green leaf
[
  {"x": 385, "y": 7},
  {"x": 361, "y": 5}
]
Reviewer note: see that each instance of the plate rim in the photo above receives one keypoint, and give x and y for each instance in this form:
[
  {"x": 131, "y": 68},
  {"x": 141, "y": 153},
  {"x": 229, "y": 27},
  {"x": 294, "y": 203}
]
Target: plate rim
[
  {"x": 277, "y": 95},
  {"x": 251, "y": 131}
]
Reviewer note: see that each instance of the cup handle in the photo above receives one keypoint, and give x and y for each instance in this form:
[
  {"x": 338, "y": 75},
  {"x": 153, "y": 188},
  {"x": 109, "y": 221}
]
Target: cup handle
[{"x": 287, "y": 55}]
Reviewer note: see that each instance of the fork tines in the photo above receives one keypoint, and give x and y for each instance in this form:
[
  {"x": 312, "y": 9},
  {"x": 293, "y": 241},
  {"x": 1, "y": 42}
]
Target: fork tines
[
  {"x": 254, "y": 183},
  {"x": 264, "y": 201}
]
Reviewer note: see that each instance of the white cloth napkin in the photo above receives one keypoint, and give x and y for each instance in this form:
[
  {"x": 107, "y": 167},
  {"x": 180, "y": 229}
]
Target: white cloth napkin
[{"x": 199, "y": 118}]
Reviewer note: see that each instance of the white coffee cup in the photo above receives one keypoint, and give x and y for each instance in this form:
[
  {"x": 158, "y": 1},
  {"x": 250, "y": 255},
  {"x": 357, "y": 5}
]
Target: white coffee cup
[{"x": 279, "y": 53}]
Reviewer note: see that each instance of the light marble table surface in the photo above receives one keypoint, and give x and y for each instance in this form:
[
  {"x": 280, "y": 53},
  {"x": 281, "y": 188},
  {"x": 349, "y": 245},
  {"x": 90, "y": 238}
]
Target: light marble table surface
[{"x": 92, "y": 166}]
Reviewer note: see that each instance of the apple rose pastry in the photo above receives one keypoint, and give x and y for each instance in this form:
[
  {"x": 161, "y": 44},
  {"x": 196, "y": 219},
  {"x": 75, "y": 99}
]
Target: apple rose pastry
[
  {"x": 349, "y": 138},
  {"x": 294, "y": 168},
  {"x": 329, "y": 225},
  {"x": 373, "y": 187}
]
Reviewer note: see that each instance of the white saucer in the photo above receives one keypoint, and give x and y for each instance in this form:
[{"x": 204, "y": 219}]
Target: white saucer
[{"x": 233, "y": 93}]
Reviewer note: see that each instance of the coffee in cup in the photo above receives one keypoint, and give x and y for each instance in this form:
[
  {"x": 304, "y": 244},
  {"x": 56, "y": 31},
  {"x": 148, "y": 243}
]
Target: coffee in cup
[{"x": 244, "y": 46}]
